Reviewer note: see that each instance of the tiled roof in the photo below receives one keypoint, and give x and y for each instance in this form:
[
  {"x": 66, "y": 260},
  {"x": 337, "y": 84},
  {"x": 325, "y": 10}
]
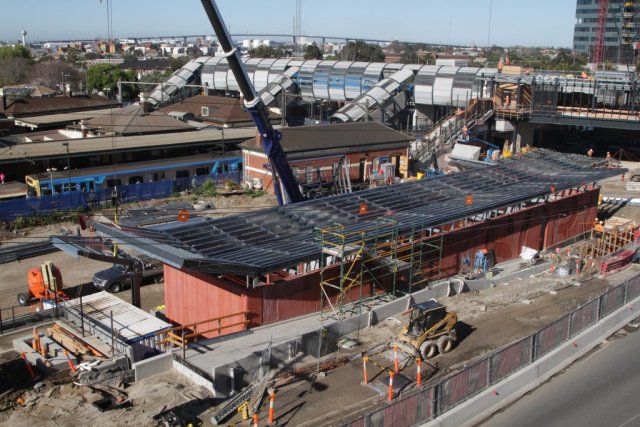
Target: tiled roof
[
  {"x": 335, "y": 136},
  {"x": 55, "y": 104}
]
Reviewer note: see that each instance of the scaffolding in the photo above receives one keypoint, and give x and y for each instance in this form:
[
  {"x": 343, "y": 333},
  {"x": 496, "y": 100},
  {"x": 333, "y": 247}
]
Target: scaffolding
[
  {"x": 585, "y": 257},
  {"x": 373, "y": 263}
]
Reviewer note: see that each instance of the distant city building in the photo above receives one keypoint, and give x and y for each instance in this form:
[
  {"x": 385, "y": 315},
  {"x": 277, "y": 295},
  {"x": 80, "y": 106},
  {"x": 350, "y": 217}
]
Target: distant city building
[
  {"x": 452, "y": 60},
  {"x": 586, "y": 29}
]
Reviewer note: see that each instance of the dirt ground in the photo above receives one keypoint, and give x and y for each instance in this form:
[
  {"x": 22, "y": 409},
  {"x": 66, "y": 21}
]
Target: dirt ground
[
  {"x": 488, "y": 320},
  {"x": 77, "y": 273}
]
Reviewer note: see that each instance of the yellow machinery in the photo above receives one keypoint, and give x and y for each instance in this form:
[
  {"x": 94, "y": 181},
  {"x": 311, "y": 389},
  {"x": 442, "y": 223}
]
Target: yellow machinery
[{"x": 431, "y": 329}]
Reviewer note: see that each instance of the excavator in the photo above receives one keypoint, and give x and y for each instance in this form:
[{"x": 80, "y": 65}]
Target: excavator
[
  {"x": 431, "y": 330},
  {"x": 44, "y": 284}
]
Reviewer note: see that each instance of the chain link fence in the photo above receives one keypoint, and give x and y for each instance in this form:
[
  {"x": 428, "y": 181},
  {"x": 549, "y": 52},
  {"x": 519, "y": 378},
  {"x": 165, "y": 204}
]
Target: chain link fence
[
  {"x": 417, "y": 406},
  {"x": 12, "y": 209}
]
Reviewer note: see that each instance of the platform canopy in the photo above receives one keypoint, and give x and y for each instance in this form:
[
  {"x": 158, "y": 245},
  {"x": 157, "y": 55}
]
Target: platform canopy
[{"x": 264, "y": 241}]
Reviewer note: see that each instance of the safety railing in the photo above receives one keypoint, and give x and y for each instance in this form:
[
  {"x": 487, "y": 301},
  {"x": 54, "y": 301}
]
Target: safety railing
[
  {"x": 422, "y": 404},
  {"x": 181, "y": 336},
  {"x": 450, "y": 126}
]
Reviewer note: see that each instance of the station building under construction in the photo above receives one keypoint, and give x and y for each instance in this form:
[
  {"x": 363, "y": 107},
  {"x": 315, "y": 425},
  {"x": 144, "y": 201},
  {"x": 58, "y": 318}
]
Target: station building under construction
[{"x": 339, "y": 254}]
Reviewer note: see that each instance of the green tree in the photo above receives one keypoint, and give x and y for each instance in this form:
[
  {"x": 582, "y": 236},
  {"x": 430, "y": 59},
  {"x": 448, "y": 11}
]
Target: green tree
[
  {"x": 17, "y": 51},
  {"x": 52, "y": 73},
  {"x": 193, "y": 52},
  {"x": 15, "y": 64},
  {"x": 13, "y": 70},
  {"x": 313, "y": 52},
  {"x": 361, "y": 51},
  {"x": 155, "y": 77},
  {"x": 409, "y": 55},
  {"x": 129, "y": 56},
  {"x": 72, "y": 55},
  {"x": 266, "y": 52},
  {"x": 177, "y": 63},
  {"x": 105, "y": 77}
]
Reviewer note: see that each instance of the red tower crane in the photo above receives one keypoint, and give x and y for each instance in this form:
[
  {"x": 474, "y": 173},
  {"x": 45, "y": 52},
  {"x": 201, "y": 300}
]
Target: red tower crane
[{"x": 598, "y": 52}]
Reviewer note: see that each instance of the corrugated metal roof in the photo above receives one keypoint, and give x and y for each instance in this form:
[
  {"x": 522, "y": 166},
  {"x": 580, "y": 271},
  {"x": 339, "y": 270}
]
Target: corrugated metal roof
[
  {"x": 259, "y": 242},
  {"x": 49, "y": 119},
  {"x": 339, "y": 135},
  {"x": 34, "y": 151},
  {"x": 132, "y": 119},
  {"x": 131, "y": 323}
]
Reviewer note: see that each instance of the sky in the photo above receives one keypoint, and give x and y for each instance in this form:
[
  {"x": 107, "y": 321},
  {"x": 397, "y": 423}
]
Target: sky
[{"x": 463, "y": 22}]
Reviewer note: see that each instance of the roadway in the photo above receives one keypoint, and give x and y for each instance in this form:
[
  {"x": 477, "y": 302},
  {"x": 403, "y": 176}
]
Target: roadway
[{"x": 602, "y": 389}]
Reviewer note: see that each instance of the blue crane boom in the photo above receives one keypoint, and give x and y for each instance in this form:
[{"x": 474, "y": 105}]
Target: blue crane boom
[{"x": 255, "y": 106}]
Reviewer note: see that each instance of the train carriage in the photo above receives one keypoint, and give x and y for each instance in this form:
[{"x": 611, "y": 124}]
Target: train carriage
[{"x": 100, "y": 178}]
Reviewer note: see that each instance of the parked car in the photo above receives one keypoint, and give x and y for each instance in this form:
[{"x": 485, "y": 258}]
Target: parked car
[{"x": 118, "y": 277}]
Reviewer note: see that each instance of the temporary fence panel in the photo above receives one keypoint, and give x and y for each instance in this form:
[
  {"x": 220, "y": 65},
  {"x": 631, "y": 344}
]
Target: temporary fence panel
[
  {"x": 360, "y": 422},
  {"x": 584, "y": 317},
  {"x": 11, "y": 209},
  {"x": 510, "y": 359},
  {"x": 425, "y": 407},
  {"x": 402, "y": 413},
  {"x": 410, "y": 409},
  {"x": 612, "y": 300},
  {"x": 633, "y": 288},
  {"x": 551, "y": 336},
  {"x": 463, "y": 385},
  {"x": 145, "y": 191}
]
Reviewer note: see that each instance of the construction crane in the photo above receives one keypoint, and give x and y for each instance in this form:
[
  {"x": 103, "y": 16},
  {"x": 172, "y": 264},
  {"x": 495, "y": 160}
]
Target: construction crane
[
  {"x": 284, "y": 180},
  {"x": 598, "y": 54}
]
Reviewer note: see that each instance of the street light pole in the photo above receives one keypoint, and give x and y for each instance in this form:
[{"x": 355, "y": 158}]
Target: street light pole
[
  {"x": 66, "y": 144},
  {"x": 51, "y": 171}
]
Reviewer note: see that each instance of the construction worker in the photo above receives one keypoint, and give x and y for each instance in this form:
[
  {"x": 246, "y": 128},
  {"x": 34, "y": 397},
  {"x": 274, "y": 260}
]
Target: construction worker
[
  {"x": 465, "y": 133},
  {"x": 598, "y": 229}
]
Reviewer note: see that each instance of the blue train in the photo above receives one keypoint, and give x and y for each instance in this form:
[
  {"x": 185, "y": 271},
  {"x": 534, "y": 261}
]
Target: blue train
[{"x": 95, "y": 179}]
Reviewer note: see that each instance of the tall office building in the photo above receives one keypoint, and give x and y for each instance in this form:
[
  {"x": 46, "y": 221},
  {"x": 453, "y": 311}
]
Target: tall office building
[{"x": 586, "y": 29}]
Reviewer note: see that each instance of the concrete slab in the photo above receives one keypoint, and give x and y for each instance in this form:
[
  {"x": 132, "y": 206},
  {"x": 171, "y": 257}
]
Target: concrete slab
[
  {"x": 153, "y": 365},
  {"x": 55, "y": 359},
  {"x": 310, "y": 335}
]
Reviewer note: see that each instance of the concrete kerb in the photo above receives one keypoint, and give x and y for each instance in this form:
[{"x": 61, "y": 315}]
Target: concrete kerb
[
  {"x": 503, "y": 393},
  {"x": 193, "y": 376},
  {"x": 153, "y": 365},
  {"x": 481, "y": 284}
]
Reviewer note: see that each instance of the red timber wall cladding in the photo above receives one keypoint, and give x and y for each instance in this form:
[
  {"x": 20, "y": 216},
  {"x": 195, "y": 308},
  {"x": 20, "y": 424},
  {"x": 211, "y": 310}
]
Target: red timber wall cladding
[{"x": 192, "y": 297}]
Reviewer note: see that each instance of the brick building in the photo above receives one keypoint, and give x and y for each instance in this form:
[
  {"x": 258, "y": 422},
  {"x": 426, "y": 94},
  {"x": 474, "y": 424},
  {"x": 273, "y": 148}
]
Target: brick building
[{"x": 318, "y": 153}]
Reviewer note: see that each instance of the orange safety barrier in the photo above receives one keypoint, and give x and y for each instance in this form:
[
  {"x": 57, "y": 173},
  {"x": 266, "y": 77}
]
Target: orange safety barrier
[
  {"x": 255, "y": 420},
  {"x": 35, "y": 343},
  {"x": 390, "y": 397},
  {"x": 29, "y": 367},
  {"x": 183, "y": 216},
  {"x": 73, "y": 368},
  {"x": 272, "y": 399},
  {"x": 395, "y": 358},
  {"x": 418, "y": 371},
  {"x": 365, "y": 359}
]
